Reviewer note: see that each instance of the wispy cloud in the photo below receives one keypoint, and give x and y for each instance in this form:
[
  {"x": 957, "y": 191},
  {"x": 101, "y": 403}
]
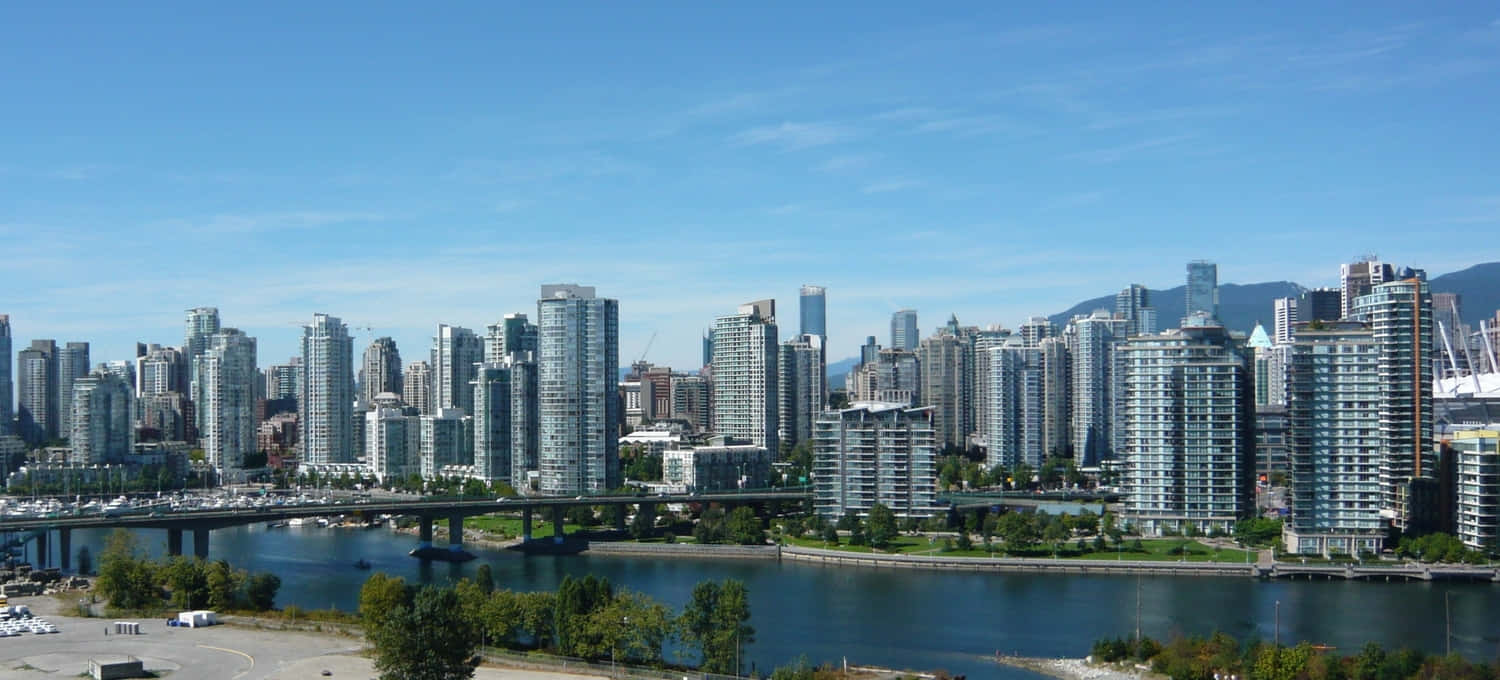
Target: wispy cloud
[
  {"x": 1115, "y": 154},
  {"x": 794, "y": 136},
  {"x": 257, "y": 223},
  {"x": 890, "y": 185}
]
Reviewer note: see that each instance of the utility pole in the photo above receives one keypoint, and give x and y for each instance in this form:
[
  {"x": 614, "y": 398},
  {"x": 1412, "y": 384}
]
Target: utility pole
[
  {"x": 1277, "y": 629},
  {"x": 1137, "y": 609}
]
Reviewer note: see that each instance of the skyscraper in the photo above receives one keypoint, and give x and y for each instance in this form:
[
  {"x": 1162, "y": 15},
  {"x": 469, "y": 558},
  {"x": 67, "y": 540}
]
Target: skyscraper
[
  {"x": 455, "y": 351},
  {"x": 1134, "y": 305},
  {"x": 904, "y": 333},
  {"x": 578, "y": 338},
  {"x": 875, "y": 453},
  {"x": 7, "y": 409},
  {"x": 72, "y": 364},
  {"x": 1286, "y": 317},
  {"x": 284, "y": 381},
  {"x": 1035, "y": 329},
  {"x": 224, "y": 396},
  {"x": 1400, "y": 314},
  {"x": 814, "y": 310},
  {"x": 511, "y": 336},
  {"x": 441, "y": 442},
  {"x": 327, "y": 402},
  {"x": 492, "y": 422},
  {"x": 746, "y": 404},
  {"x": 102, "y": 420},
  {"x": 36, "y": 387},
  {"x": 1334, "y": 418},
  {"x": 392, "y": 443},
  {"x": 1189, "y": 444},
  {"x": 1014, "y": 409},
  {"x": 416, "y": 386},
  {"x": 942, "y": 359},
  {"x": 800, "y": 387},
  {"x": 1202, "y": 289},
  {"x": 202, "y": 322},
  {"x": 525, "y": 419},
  {"x": 1096, "y": 417},
  {"x": 1057, "y": 396},
  {"x": 160, "y": 370},
  {"x": 380, "y": 370},
  {"x": 1359, "y": 278},
  {"x": 1319, "y": 304}
]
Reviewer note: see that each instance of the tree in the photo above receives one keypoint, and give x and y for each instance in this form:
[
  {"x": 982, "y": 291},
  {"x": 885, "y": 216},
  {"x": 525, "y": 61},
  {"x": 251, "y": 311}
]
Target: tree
[
  {"x": 744, "y": 528},
  {"x": 426, "y": 640},
  {"x": 644, "y": 522},
  {"x": 85, "y": 561},
  {"x": 830, "y": 535},
  {"x": 882, "y": 524},
  {"x": 710, "y": 527},
  {"x": 485, "y": 579},
  {"x": 126, "y": 580},
  {"x": 379, "y": 596},
  {"x": 1017, "y": 531},
  {"x": 715, "y": 622},
  {"x": 260, "y": 591},
  {"x": 223, "y": 585}
]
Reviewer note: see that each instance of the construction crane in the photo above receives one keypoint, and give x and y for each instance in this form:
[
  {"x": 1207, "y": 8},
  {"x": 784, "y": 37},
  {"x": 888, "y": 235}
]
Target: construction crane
[{"x": 648, "y": 347}]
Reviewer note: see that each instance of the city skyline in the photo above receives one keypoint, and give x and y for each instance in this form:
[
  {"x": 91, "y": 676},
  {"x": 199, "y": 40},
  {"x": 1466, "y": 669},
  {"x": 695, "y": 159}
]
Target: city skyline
[{"x": 274, "y": 186}]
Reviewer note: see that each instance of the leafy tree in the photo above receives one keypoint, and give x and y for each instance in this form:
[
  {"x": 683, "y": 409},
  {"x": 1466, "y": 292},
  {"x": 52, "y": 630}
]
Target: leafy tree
[
  {"x": 126, "y": 580},
  {"x": 1055, "y": 533},
  {"x": 744, "y": 528},
  {"x": 582, "y": 515},
  {"x": 964, "y": 541},
  {"x": 260, "y": 591},
  {"x": 427, "y": 639},
  {"x": 882, "y": 524},
  {"x": 848, "y": 521},
  {"x": 830, "y": 535},
  {"x": 710, "y": 527},
  {"x": 379, "y": 597},
  {"x": 644, "y": 522},
  {"x": 187, "y": 579},
  {"x": 715, "y": 621},
  {"x": 222, "y": 584},
  {"x": 1017, "y": 530},
  {"x": 484, "y": 579},
  {"x": 1258, "y": 531}
]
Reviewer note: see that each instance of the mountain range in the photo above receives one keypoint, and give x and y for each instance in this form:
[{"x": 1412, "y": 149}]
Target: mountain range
[{"x": 1241, "y": 306}]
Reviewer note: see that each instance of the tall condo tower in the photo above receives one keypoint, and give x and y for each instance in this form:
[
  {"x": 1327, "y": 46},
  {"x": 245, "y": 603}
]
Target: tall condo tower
[
  {"x": 578, "y": 367},
  {"x": 745, "y": 380},
  {"x": 327, "y": 401},
  {"x": 380, "y": 370},
  {"x": 1202, "y": 289}
]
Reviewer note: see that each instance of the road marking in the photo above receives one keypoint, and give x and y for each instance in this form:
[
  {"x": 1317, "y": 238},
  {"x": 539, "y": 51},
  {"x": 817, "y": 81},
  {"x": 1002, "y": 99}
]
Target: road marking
[{"x": 249, "y": 658}]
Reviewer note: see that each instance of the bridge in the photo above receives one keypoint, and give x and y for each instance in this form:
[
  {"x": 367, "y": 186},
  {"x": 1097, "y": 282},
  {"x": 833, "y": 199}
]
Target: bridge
[
  {"x": 427, "y": 509},
  {"x": 1378, "y": 572}
]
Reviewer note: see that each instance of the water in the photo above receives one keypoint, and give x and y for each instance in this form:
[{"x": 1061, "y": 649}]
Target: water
[{"x": 902, "y": 618}]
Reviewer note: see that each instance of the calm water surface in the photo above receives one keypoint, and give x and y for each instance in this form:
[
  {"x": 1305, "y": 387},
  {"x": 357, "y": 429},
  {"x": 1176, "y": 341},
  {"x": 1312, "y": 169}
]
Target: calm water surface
[{"x": 901, "y": 618}]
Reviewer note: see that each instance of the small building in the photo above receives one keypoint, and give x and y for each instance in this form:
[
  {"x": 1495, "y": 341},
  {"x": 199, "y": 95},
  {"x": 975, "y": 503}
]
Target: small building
[
  {"x": 719, "y": 466},
  {"x": 1477, "y": 454},
  {"x": 198, "y": 618},
  {"x": 111, "y": 667}
]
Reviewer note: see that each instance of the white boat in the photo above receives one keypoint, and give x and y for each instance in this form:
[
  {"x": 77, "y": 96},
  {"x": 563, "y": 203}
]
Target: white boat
[{"x": 298, "y": 522}]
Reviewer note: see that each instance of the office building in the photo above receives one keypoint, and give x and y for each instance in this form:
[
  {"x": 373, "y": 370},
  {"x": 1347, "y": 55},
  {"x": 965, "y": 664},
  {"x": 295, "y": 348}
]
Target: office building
[
  {"x": 1285, "y": 309},
  {"x": 380, "y": 370},
  {"x": 416, "y": 386},
  {"x": 102, "y": 418},
  {"x": 578, "y": 337},
  {"x": 1400, "y": 313},
  {"x": 708, "y": 347},
  {"x": 1358, "y": 279},
  {"x": 801, "y": 388},
  {"x": 441, "y": 442},
  {"x": 7, "y": 389},
  {"x": 691, "y": 395},
  {"x": 945, "y": 361},
  {"x": 1273, "y": 446},
  {"x": 1334, "y": 429},
  {"x": 745, "y": 402},
  {"x": 327, "y": 401},
  {"x": 875, "y": 453},
  {"x": 1092, "y": 344},
  {"x": 1189, "y": 444},
  {"x": 1014, "y": 409},
  {"x": 869, "y": 350},
  {"x": 1477, "y": 454},
  {"x": 717, "y": 466},
  {"x": 224, "y": 398},
  {"x": 36, "y": 392},
  {"x": 1202, "y": 289},
  {"x": 904, "y": 333},
  {"x": 513, "y": 335},
  {"x": 1133, "y": 304},
  {"x": 455, "y": 352},
  {"x": 201, "y": 324},
  {"x": 392, "y": 444},
  {"x": 1320, "y": 304},
  {"x": 72, "y": 364},
  {"x": 814, "y": 310}
]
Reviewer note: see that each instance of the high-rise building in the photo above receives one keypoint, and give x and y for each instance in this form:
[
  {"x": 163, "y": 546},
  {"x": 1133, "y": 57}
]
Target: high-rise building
[
  {"x": 1320, "y": 304},
  {"x": 72, "y": 364},
  {"x": 746, "y": 405},
  {"x": 1400, "y": 313},
  {"x": 993, "y": 336},
  {"x": 492, "y": 422},
  {"x": 166, "y": 414},
  {"x": 1202, "y": 289},
  {"x": 326, "y": 407},
  {"x": 441, "y": 442},
  {"x": 1096, "y": 417},
  {"x": 1015, "y": 407},
  {"x": 102, "y": 420},
  {"x": 1189, "y": 444},
  {"x": 1359, "y": 278},
  {"x": 1286, "y": 316},
  {"x": 36, "y": 391},
  {"x": 868, "y": 351},
  {"x": 904, "y": 333},
  {"x": 893, "y": 376},
  {"x": 1477, "y": 459},
  {"x": 1266, "y": 367},
  {"x": 1057, "y": 399},
  {"x": 947, "y": 374},
  {"x": 1334, "y": 420},
  {"x": 380, "y": 370},
  {"x": 284, "y": 381},
  {"x": 160, "y": 370},
  {"x": 392, "y": 443},
  {"x": 1035, "y": 329},
  {"x": 511, "y": 336},
  {"x": 416, "y": 386},
  {"x": 202, "y": 323},
  {"x": 708, "y": 347},
  {"x": 691, "y": 395},
  {"x": 800, "y": 387},
  {"x": 814, "y": 310},
  {"x": 7, "y": 390},
  {"x": 875, "y": 453},
  {"x": 578, "y": 338},
  {"x": 525, "y": 419},
  {"x": 224, "y": 396},
  {"x": 455, "y": 352},
  {"x": 1134, "y": 305}
]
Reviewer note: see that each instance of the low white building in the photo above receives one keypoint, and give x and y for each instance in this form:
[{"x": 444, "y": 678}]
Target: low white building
[
  {"x": 652, "y": 440},
  {"x": 720, "y": 466},
  {"x": 1477, "y": 457}
]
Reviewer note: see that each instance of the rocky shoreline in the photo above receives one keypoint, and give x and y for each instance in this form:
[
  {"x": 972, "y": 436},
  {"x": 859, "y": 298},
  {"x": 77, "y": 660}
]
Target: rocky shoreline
[{"x": 1075, "y": 669}]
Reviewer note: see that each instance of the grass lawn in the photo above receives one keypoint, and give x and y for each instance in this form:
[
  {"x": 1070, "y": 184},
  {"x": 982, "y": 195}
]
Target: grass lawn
[{"x": 510, "y": 527}]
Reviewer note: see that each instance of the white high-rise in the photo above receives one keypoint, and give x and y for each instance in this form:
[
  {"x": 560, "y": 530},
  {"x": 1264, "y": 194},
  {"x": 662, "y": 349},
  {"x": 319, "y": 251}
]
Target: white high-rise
[
  {"x": 392, "y": 444},
  {"x": 224, "y": 394},
  {"x": 441, "y": 442},
  {"x": 1286, "y": 316},
  {"x": 380, "y": 370},
  {"x": 1096, "y": 418},
  {"x": 492, "y": 422},
  {"x": 875, "y": 453},
  {"x": 327, "y": 402},
  {"x": 416, "y": 386},
  {"x": 578, "y": 338},
  {"x": 72, "y": 365},
  {"x": 102, "y": 420},
  {"x": 745, "y": 375},
  {"x": 1014, "y": 411},
  {"x": 455, "y": 352},
  {"x": 201, "y": 324},
  {"x": 801, "y": 387}
]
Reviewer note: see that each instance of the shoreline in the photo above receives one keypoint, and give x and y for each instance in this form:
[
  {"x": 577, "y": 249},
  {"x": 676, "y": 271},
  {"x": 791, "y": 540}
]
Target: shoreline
[{"x": 1074, "y": 669}]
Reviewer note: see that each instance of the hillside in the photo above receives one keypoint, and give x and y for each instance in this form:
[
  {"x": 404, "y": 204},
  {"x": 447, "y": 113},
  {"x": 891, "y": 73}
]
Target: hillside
[
  {"x": 1478, "y": 289},
  {"x": 1240, "y": 306}
]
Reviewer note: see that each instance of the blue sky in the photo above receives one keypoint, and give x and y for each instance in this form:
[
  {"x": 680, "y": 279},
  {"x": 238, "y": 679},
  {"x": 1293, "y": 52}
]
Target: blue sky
[{"x": 400, "y": 165}]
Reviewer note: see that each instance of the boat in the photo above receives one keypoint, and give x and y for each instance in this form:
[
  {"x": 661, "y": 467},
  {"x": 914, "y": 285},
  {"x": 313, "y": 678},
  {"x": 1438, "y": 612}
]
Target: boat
[
  {"x": 277, "y": 525},
  {"x": 362, "y": 564},
  {"x": 298, "y": 522}
]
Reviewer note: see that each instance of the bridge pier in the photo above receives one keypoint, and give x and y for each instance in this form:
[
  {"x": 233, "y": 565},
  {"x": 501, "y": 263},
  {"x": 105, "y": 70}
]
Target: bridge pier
[
  {"x": 174, "y": 542},
  {"x": 200, "y": 543},
  {"x": 41, "y": 549},
  {"x": 620, "y": 516},
  {"x": 65, "y": 548},
  {"x": 557, "y": 524},
  {"x": 424, "y": 536},
  {"x": 526, "y": 524},
  {"x": 456, "y": 533}
]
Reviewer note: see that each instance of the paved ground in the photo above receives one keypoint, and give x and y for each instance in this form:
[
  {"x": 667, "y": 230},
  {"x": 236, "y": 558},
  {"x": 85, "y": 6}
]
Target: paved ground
[{"x": 214, "y": 653}]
